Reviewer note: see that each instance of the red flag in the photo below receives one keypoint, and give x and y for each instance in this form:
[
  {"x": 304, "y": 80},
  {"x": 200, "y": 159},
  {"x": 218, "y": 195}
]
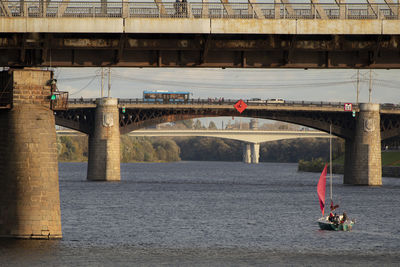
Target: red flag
[{"x": 321, "y": 187}]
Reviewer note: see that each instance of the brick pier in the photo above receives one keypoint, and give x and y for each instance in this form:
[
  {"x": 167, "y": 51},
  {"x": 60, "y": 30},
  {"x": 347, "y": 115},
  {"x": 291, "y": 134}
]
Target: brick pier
[{"x": 29, "y": 189}]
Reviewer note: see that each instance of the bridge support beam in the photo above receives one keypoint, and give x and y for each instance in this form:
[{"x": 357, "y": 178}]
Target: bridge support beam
[
  {"x": 363, "y": 164},
  {"x": 251, "y": 153},
  {"x": 104, "y": 143},
  {"x": 29, "y": 189}
]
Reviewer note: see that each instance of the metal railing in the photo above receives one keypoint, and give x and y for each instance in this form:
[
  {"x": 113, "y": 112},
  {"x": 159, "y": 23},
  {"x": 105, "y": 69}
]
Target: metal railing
[
  {"x": 159, "y": 9},
  {"x": 213, "y": 101},
  {"x": 222, "y": 101},
  {"x": 59, "y": 101}
]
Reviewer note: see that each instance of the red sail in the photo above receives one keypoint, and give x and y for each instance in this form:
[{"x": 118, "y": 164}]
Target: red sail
[{"x": 321, "y": 187}]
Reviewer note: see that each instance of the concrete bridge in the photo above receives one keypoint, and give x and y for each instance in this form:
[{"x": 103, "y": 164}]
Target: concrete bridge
[
  {"x": 251, "y": 139},
  {"x": 250, "y": 34}
]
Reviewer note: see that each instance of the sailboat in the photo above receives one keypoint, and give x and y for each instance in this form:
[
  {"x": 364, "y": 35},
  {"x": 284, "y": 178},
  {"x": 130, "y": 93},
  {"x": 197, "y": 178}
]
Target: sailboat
[{"x": 331, "y": 222}]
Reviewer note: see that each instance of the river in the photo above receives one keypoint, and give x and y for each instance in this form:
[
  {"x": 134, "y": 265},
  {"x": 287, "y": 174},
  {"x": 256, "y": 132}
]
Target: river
[{"x": 212, "y": 214}]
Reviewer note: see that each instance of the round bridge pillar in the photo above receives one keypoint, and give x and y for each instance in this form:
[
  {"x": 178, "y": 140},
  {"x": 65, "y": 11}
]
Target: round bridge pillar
[
  {"x": 363, "y": 164},
  {"x": 29, "y": 188},
  {"x": 104, "y": 143}
]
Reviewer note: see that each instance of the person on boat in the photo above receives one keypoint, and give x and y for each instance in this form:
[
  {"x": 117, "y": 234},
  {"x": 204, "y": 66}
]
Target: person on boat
[
  {"x": 331, "y": 217},
  {"x": 336, "y": 219},
  {"x": 333, "y": 207},
  {"x": 344, "y": 217}
]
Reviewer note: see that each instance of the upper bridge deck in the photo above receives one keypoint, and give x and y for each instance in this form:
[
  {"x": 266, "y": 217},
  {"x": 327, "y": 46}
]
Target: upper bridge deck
[
  {"x": 267, "y": 34},
  {"x": 264, "y": 17}
]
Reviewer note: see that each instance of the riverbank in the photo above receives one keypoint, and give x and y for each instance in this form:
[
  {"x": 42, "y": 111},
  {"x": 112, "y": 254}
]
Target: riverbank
[{"x": 390, "y": 164}]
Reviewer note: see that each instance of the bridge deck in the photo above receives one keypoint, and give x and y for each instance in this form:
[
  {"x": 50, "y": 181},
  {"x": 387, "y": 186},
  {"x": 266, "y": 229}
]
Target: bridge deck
[{"x": 163, "y": 34}]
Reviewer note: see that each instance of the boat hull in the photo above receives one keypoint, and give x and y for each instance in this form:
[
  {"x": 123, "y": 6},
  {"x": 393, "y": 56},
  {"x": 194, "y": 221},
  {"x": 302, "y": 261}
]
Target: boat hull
[{"x": 323, "y": 225}]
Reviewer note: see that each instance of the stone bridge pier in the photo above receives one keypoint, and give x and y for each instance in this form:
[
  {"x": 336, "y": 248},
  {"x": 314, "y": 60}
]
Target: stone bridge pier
[
  {"x": 104, "y": 142},
  {"x": 29, "y": 189},
  {"x": 363, "y": 164},
  {"x": 251, "y": 153}
]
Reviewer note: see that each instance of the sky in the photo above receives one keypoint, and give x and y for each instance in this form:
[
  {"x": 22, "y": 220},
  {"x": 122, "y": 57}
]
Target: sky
[
  {"x": 290, "y": 84},
  {"x": 334, "y": 85}
]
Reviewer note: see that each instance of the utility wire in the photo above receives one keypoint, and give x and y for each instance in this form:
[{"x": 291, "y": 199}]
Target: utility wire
[{"x": 83, "y": 88}]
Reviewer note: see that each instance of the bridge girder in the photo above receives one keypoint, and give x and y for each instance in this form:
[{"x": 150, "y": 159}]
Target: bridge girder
[
  {"x": 200, "y": 50},
  {"x": 343, "y": 124}
]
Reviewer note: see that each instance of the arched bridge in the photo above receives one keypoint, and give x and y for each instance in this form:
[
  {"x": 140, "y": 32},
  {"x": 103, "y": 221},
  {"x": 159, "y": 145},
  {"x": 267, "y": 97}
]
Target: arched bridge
[{"x": 318, "y": 115}]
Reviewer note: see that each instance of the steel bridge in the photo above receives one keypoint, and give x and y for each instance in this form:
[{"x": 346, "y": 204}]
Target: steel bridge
[{"x": 265, "y": 34}]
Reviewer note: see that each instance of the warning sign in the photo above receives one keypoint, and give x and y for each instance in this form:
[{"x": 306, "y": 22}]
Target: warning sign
[{"x": 240, "y": 106}]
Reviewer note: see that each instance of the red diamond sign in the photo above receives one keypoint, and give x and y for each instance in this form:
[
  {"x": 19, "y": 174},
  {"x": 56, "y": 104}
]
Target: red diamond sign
[{"x": 240, "y": 106}]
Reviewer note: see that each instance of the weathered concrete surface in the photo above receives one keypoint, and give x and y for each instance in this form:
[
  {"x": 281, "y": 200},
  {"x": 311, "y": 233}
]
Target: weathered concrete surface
[
  {"x": 104, "y": 143},
  {"x": 253, "y": 26},
  {"x": 169, "y": 25},
  {"x": 339, "y": 27},
  {"x": 62, "y": 25},
  {"x": 201, "y": 25},
  {"x": 29, "y": 189},
  {"x": 363, "y": 164}
]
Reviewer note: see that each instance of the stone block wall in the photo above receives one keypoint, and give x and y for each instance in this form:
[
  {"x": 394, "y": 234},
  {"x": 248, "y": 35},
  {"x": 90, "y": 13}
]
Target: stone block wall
[
  {"x": 29, "y": 186},
  {"x": 31, "y": 87}
]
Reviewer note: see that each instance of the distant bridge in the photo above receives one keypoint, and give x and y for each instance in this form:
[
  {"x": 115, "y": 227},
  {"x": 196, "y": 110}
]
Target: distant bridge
[{"x": 251, "y": 138}]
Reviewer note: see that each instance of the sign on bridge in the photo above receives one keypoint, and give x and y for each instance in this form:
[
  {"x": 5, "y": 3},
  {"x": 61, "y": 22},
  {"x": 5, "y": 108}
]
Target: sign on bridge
[
  {"x": 348, "y": 107},
  {"x": 240, "y": 106}
]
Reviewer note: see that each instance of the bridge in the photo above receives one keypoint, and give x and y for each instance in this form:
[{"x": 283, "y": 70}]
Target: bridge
[
  {"x": 249, "y": 34},
  {"x": 98, "y": 118},
  {"x": 269, "y": 34},
  {"x": 28, "y": 140},
  {"x": 251, "y": 138}
]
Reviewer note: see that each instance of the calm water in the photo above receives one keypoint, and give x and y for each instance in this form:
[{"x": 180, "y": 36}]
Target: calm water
[{"x": 212, "y": 214}]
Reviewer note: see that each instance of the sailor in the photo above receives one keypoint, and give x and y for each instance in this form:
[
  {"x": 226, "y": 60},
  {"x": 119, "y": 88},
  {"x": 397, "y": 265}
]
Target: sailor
[
  {"x": 344, "y": 217},
  {"x": 331, "y": 217},
  {"x": 336, "y": 219}
]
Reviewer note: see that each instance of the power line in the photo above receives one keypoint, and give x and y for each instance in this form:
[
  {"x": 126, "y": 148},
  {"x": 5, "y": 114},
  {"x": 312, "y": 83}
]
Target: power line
[{"x": 83, "y": 88}]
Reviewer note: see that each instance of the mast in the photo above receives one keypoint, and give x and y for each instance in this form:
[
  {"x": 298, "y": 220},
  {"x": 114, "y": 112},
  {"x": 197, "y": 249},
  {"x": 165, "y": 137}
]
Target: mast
[{"x": 330, "y": 160}]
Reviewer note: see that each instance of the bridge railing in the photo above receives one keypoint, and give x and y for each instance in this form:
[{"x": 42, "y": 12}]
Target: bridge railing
[
  {"x": 172, "y": 9},
  {"x": 214, "y": 101}
]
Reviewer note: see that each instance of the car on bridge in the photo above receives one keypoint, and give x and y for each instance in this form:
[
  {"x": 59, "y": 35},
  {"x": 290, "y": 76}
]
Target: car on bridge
[
  {"x": 256, "y": 101},
  {"x": 275, "y": 101}
]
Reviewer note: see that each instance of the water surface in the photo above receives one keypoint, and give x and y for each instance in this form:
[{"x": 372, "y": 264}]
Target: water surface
[{"x": 212, "y": 214}]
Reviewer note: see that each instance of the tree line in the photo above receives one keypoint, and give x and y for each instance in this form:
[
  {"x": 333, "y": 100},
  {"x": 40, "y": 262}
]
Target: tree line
[
  {"x": 163, "y": 149},
  {"x": 167, "y": 149}
]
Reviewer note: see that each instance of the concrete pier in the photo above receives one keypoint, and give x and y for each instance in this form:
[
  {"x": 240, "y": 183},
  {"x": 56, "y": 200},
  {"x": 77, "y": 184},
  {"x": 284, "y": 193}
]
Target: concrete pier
[
  {"x": 251, "y": 153},
  {"x": 255, "y": 153},
  {"x": 29, "y": 189},
  {"x": 104, "y": 143},
  {"x": 246, "y": 153},
  {"x": 363, "y": 164}
]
